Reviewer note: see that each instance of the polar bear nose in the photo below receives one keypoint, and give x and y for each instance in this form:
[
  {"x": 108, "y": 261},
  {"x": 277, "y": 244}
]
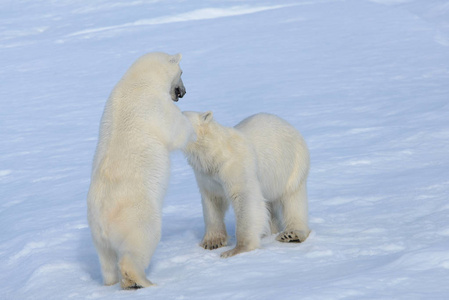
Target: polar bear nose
[{"x": 180, "y": 92}]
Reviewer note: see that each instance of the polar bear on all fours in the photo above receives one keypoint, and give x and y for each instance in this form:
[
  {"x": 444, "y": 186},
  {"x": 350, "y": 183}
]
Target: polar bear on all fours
[
  {"x": 260, "y": 166},
  {"x": 139, "y": 127}
]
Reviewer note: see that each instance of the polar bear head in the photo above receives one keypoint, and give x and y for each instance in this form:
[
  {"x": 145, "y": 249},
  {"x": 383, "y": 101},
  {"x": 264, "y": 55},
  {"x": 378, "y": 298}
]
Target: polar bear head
[
  {"x": 198, "y": 152},
  {"x": 200, "y": 122},
  {"x": 177, "y": 89},
  {"x": 161, "y": 71}
]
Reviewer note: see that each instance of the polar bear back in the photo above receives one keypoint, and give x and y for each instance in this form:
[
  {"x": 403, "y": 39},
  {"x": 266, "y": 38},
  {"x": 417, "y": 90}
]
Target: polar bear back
[{"x": 282, "y": 154}]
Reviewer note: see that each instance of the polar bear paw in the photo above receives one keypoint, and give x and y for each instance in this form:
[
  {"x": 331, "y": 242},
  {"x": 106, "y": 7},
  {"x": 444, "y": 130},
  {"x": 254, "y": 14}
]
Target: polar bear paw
[
  {"x": 292, "y": 236},
  {"x": 132, "y": 278},
  {"x": 214, "y": 242},
  {"x": 129, "y": 284},
  {"x": 235, "y": 251}
]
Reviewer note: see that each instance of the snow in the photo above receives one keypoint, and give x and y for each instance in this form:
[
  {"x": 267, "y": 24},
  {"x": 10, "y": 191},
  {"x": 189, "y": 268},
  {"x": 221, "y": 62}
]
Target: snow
[{"x": 366, "y": 82}]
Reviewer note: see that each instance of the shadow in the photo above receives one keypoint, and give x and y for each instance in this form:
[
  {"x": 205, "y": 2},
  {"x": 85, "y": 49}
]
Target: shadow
[{"x": 87, "y": 256}]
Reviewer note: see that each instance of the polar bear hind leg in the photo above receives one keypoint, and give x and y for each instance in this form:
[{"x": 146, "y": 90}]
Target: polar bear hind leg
[
  {"x": 108, "y": 262},
  {"x": 136, "y": 249},
  {"x": 133, "y": 274},
  {"x": 274, "y": 208},
  {"x": 294, "y": 210}
]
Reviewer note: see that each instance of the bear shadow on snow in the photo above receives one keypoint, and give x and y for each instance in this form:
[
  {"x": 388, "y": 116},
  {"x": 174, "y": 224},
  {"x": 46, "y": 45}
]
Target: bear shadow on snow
[{"x": 87, "y": 256}]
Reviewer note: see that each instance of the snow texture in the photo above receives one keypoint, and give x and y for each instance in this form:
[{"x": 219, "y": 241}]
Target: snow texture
[{"x": 366, "y": 82}]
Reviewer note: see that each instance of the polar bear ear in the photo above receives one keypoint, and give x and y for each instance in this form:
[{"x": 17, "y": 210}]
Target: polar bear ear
[
  {"x": 175, "y": 59},
  {"x": 207, "y": 116}
]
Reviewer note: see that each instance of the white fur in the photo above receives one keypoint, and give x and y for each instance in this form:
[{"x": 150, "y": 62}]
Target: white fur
[
  {"x": 139, "y": 127},
  {"x": 260, "y": 166}
]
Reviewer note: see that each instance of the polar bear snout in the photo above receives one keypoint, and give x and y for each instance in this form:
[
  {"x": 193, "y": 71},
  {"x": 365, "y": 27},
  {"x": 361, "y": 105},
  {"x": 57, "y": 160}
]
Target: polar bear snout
[{"x": 178, "y": 91}]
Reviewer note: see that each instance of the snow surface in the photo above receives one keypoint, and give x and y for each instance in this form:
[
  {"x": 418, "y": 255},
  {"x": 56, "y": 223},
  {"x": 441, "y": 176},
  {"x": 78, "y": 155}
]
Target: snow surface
[{"x": 366, "y": 82}]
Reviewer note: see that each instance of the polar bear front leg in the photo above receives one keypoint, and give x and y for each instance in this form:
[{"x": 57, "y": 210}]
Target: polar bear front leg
[
  {"x": 251, "y": 217},
  {"x": 214, "y": 209}
]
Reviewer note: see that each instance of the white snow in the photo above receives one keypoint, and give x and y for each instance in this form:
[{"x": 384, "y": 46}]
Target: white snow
[{"x": 366, "y": 82}]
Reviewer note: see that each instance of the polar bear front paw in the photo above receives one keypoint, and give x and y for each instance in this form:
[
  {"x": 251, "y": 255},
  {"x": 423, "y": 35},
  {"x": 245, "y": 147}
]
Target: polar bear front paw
[
  {"x": 214, "y": 242},
  {"x": 292, "y": 236}
]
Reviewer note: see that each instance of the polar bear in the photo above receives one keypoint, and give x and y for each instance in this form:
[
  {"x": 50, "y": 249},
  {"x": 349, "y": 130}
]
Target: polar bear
[
  {"x": 139, "y": 127},
  {"x": 261, "y": 167}
]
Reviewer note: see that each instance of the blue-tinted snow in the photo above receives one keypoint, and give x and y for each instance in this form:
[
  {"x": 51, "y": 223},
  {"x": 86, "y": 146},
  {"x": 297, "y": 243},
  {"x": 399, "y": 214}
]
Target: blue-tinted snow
[{"x": 366, "y": 82}]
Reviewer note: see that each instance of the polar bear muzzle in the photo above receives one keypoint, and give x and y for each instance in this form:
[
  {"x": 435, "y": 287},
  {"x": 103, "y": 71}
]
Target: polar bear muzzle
[{"x": 178, "y": 91}]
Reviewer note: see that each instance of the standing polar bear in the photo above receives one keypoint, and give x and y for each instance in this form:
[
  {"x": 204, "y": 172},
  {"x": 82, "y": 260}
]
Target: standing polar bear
[
  {"x": 139, "y": 127},
  {"x": 261, "y": 163}
]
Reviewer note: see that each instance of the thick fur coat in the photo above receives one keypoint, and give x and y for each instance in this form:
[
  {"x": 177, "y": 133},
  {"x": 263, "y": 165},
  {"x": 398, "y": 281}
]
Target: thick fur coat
[
  {"x": 140, "y": 126},
  {"x": 260, "y": 167}
]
